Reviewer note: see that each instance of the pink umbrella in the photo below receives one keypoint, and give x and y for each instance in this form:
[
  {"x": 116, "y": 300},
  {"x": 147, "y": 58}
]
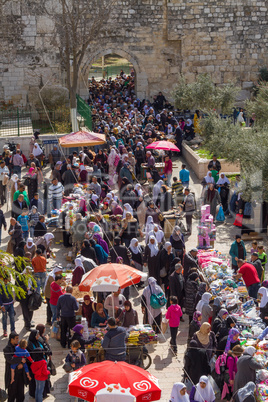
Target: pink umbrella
[{"x": 165, "y": 145}]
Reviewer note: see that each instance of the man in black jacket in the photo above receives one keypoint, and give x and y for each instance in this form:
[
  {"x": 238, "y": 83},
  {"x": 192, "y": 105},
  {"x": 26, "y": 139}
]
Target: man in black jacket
[
  {"x": 15, "y": 232},
  {"x": 16, "y": 389},
  {"x": 257, "y": 264},
  {"x": 40, "y": 228},
  {"x": 66, "y": 307},
  {"x": 214, "y": 164},
  {"x": 190, "y": 261},
  {"x": 18, "y": 206}
]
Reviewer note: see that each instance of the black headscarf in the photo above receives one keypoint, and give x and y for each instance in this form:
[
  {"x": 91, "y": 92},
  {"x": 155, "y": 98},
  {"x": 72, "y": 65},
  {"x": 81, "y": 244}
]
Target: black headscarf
[
  {"x": 38, "y": 354},
  {"x": 230, "y": 320},
  {"x": 193, "y": 276},
  {"x": 32, "y": 338}
]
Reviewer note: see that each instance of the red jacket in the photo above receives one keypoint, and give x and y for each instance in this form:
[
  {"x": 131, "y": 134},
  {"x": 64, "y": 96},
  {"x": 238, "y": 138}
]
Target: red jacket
[
  {"x": 174, "y": 315},
  {"x": 40, "y": 370},
  {"x": 168, "y": 167},
  {"x": 56, "y": 291}
]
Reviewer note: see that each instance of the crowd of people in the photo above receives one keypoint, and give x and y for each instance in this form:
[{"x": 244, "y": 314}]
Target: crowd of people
[{"x": 106, "y": 214}]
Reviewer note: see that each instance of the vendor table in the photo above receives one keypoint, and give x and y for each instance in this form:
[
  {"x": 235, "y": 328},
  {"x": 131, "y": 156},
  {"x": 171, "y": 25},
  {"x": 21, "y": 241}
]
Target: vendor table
[{"x": 158, "y": 166}]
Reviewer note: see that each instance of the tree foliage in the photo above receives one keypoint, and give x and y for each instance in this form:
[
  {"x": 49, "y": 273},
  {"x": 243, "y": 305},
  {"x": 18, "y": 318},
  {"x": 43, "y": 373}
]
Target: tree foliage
[
  {"x": 259, "y": 105},
  {"x": 203, "y": 94},
  {"x": 7, "y": 270}
]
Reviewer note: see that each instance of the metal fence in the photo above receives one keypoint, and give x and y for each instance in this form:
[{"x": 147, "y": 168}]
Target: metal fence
[
  {"x": 17, "y": 122},
  {"x": 85, "y": 112},
  {"x": 109, "y": 71}
]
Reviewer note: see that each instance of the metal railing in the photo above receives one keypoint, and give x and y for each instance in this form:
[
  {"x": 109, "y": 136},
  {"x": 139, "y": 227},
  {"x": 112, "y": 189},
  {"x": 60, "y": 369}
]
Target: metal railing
[{"x": 109, "y": 71}]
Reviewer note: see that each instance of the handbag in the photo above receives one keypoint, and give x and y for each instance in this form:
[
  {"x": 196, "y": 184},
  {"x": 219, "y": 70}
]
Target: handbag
[
  {"x": 157, "y": 301},
  {"x": 67, "y": 367},
  {"x": 35, "y": 301},
  {"x": 52, "y": 368},
  {"x": 220, "y": 216},
  {"x": 238, "y": 220},
  {"x": 163, "y": 272}
]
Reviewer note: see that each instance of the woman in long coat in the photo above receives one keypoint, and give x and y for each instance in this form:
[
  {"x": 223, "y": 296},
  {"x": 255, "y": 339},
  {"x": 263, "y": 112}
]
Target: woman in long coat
[
  {"x": 151, "y": 258},
  {"x": 212, "y": 197},
  {"x": 191, "y": 287},
  {"x": 246, "y": 370},
  {"x": 152, "y": 316}
]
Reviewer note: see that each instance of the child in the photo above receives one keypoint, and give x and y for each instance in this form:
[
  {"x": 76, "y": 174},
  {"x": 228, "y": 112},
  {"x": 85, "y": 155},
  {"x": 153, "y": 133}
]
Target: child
[
  {"x": 40, "y": 372},
  {"x": 75, "y": 357},
  {"x": 33, "y": 219},
  {"x": 177, "y": 191},
  {"x": 254, "y": 248},
  {"x": 23, "y": 221},
  {"x": 20, "y": 351},
  {"x": 263, "y": 257},
  {"x": 174, "y": 315}
]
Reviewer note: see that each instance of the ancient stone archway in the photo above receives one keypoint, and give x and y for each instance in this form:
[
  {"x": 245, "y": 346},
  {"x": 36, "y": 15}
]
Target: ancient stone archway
[{"x": 141, "y": 84}]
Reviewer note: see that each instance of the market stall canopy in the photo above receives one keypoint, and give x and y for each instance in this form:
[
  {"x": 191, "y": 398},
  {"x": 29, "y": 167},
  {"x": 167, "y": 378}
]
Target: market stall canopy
[
  {"x": 165, "y": 145},
  {"x": 109, "y": 277},
  {"x": 114, "y": 382},
  {"x": 81, "y": 139}
]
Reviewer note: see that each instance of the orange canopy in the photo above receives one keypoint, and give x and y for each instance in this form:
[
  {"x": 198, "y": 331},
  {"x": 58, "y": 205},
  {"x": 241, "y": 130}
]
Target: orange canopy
[{"x": 81, "y": 139}]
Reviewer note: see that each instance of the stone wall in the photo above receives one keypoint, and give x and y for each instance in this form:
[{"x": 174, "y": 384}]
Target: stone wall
[{"x": 162, "y": 38}]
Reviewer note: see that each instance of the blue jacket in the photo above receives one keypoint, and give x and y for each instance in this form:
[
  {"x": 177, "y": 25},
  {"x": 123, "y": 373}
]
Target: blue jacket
[
  {"x": 6, "y": 298},
  {"x": 114, "y": 341},
  {"x": 234, "y": 251},
  {"x": 96, "y": 319},
  {"x": 184, "y": 175},
  {"x": 67, "y": 305}
]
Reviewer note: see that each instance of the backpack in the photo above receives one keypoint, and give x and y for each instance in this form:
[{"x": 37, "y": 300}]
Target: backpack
[
  {"x": 221, "y": 363},
  {"x": 157, "y": 301},
  {"x": 35, "y": 301}
]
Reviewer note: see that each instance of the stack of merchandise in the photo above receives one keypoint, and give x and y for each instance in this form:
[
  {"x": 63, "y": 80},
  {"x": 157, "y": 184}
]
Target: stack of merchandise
[
  {"x": 94, "y": 337},
  {"x": 206, "y": 229},
  {"x": 141, "y": 335}
]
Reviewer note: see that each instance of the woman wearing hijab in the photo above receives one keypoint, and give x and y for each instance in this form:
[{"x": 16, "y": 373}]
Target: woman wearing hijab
[
  {"x": 151, "y": 258},
  {"x": 38, "y": 153},
  {"x": 99, "y": 317},
  {"x": 47, "y": 291},
  {"x": 189, "y": 130},
  {"x": 191, "y": 287},
  {"x": 151, "y": 316},
  {"x": 158, "y": 234},
  {"x": 127, "y": 208},
  {"x": 212, "y": 198},
  {"x": 113, "y": 160},
  {"x": 78, "y": 272},
  {"x": 157, "y": 190},
  {"x": 128, "y": 316},
  {"x": 129, "y": 228},
  {"x": 224, "y": 329},
  {"x": 204, "y": 307},
  {"x": 34, "y": 343},
  {"x": 196, "y": 363},
  {"x": 137, "y": 253},
  {"x": 166, "y": 257},
  {"x": 219, "y": 320},
  {"x": 247, "y": 393},
  {"x": 202, "y": 288},
  {"x": 217, "y": 302},
  {"x": 82, "y": 174},
  {"x": 223, "y": 187},
  {"x": 116, "y": 208},
  {"x": 206, "y": 339},
  {"x": 78, "y": 330},
  {"x": 149, "y": 226},
  {"x": 228, "y": 342},
  {"x": 104, "y": 191},
  {"x": 88, "y": 251},
  {"x": 14, "y": 185},
  {"x": 179, "y": 393},
  {"x": 44, "y": 243},
  {"x": 194, "y": 326},
  {"x": 263, "y": 295},
  {"x": 30, "y": 247},
  {"x": 177, "y": 241},
  {"x": 164, "y": 200},
  {"x": 88, "y": 308},
  {"x": 203, "y": 391},
  {"x": 94, "y": 203},
  {"x": 153, "y": 212},
  {"x": 246, "y": 370},
  {"x": 100, "y": 253}
]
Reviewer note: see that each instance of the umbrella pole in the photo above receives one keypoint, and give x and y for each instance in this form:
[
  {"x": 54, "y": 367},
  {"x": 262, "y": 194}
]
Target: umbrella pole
[{"x": 113, "y": 303}]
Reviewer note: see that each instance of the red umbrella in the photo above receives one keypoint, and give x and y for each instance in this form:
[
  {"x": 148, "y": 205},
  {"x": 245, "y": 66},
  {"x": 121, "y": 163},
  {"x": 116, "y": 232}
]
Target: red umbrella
[
  {"x": 165, "y": 145},
  {"x": 114, "y": 381},
  {"x": 109, "y": 277}
]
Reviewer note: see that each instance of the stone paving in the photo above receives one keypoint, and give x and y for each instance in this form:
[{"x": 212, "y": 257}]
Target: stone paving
[{"x": 165, "y": 366}]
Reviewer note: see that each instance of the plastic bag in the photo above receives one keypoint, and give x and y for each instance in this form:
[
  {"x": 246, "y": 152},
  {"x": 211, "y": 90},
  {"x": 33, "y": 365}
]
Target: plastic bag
[
  {"x": 164, "y": 325},
  {"x": 238, "y": 220},
  {"x": 220, "y": 216}
]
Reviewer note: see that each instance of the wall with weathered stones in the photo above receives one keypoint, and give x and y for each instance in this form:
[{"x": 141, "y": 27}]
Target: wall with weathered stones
[{"x": 162, "y": 38}]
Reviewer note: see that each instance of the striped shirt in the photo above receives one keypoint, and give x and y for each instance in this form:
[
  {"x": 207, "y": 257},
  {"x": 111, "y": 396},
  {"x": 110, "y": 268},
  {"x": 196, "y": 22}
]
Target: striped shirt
[
  {"x": 177, "y": 188},
  {"x": 55, "y": 192}
]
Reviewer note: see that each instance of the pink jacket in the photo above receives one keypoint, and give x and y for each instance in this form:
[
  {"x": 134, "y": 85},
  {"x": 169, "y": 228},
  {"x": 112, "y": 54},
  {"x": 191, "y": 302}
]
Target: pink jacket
[{"x": 174, "y": 315}]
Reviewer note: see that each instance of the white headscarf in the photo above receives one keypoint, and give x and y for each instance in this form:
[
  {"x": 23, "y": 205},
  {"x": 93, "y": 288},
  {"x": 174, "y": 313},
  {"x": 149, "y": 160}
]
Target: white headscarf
[
  {"x": 138, "y": 189},
  {"x": 158, "y": 235},
  {"x": 54, "y": 272},
  {"x": 223, "y": 180},
  {"x": 204, "y": 300},
  {"x": 48, "y": 237},
  {"x": 37, "y": 150},
  {"x": 15, "y": 179},
  {"x": 249, "y": 350},
  {"x": 170, "y": 129},
  {"x": 112, "y": 156},
  {"x": 95, "y": 198},
  {"x": 209, "y": 179},
  {"x": 78, "y": 263},
  {"x": 156, "y": 189},
  {"x": 155, "y": 289},
  {"x": 167, "y": 245},
  {"x": 189, "y": 122},
  {"x": 29, "y": 242},
  {"x": 264, "y": 300},
  {"x": 81, "y": 168},
  {"x": 127, "y": 208},
  {"x": 153, "y": 247},
  {"x": 176, "y": 395},
  {"x": 148, "y": 227},
  {"x": 246, "y": 391},
  {"x": 204, "y": 394},
  {"x": 133, "y": 248}
]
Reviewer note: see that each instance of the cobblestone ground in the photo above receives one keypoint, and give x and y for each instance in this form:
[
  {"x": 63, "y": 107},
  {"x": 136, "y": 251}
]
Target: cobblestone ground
[{"x": 166, "y": 367}]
